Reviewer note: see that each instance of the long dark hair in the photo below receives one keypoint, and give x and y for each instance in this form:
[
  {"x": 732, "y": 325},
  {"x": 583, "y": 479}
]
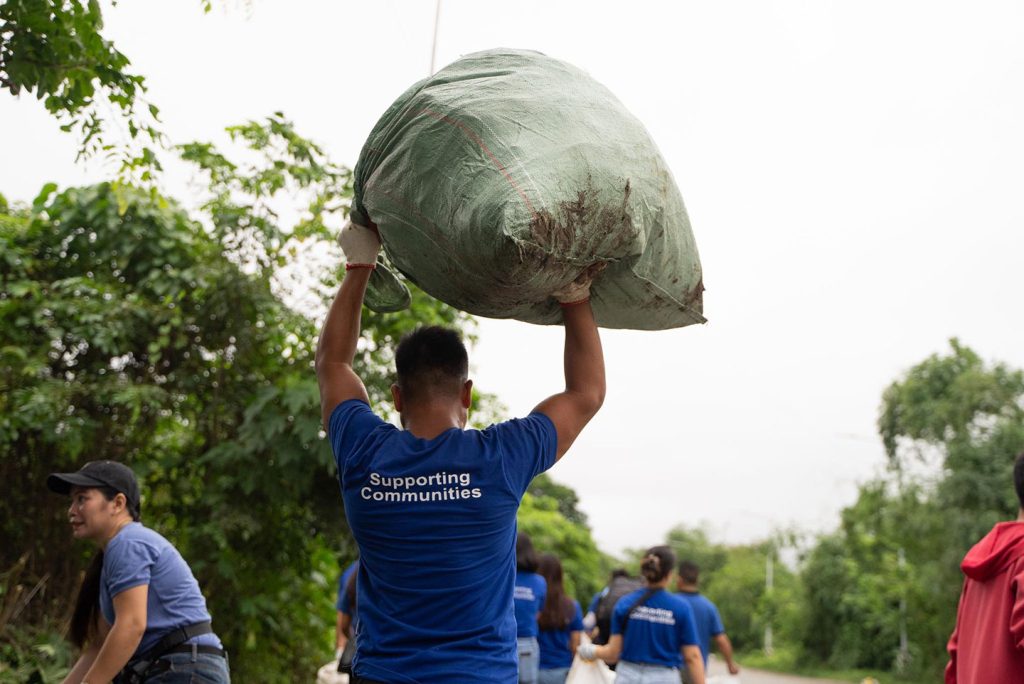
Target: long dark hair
[
  {"x": 526, "y": 556},
  {"x": 85, "y": 620},
  {"x": 558, "y": 608},
  {"x": 657, "y": 563}
]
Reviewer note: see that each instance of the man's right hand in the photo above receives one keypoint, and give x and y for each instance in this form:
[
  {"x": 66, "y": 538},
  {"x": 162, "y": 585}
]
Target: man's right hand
[
  {"x": 359, "y": 243},
  {"x": 579, "y": 289}
]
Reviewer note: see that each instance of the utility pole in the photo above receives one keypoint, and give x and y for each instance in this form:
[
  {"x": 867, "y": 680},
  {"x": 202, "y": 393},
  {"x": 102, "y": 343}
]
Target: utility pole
[
  {"x": 769, "y": 584},
  {"x": 433, "y": 48},
  {"x": 903, "y": 655}
]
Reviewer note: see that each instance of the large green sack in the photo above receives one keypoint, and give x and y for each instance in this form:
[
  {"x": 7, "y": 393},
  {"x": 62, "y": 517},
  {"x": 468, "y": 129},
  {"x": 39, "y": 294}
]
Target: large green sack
[{"x": 505, "y": 175}]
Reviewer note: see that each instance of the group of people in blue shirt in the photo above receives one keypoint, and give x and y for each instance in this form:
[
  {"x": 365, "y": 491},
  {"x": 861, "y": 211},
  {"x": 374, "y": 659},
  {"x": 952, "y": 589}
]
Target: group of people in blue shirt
[
  {"x": 654, "y": 636},
  {"x": 431, "y": 505}
]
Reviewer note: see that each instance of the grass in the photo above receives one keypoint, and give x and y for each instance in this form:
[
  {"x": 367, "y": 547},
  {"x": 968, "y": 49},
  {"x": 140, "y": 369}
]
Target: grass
[{"x": 784, "y": 661}]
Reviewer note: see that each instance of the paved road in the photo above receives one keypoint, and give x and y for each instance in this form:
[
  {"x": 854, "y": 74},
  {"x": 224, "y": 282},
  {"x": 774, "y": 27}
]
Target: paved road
[{"x": 749, "y": 676}]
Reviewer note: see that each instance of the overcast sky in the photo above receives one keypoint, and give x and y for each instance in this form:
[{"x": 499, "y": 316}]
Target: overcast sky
[{"x": 853, "y": 173}]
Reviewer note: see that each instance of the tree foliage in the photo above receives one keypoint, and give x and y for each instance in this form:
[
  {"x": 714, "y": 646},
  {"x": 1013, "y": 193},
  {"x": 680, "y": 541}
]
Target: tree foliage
[
  {"x": 55, "y": 50},
  {"x": 130, "y": 330},
  {"x": 902, "y": 541},
  {"x": 584, "y": 566}
]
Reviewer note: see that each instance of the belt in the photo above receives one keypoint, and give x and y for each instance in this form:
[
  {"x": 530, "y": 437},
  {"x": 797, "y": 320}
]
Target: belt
[{"x": 195, "y": 648}]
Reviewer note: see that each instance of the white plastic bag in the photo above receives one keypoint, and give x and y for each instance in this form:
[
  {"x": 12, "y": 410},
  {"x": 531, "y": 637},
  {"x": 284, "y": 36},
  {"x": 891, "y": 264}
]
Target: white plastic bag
[
  {"x": 328, "y": 674},
  {"x": 583, "y": 672}
]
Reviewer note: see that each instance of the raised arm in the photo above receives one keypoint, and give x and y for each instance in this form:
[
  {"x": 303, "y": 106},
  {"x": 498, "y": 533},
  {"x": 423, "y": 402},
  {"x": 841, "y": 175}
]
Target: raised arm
[
  {"x": 573, "y": 408},
  {"x": 337, "y": 347}
]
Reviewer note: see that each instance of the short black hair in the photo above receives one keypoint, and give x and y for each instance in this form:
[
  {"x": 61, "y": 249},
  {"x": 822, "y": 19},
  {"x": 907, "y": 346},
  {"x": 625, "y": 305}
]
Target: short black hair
[
  {"x": 1018, "y": 477},
  {"x": 689, "y": 572},
  {"x": 431, "y": 360}
]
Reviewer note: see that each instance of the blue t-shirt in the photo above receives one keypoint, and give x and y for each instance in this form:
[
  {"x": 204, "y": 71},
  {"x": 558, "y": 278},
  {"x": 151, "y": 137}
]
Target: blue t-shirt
[
  {"x": 343, "y": 584},
  {"x": 136, "y": 556},
  {"x": 657, "y": 630},
  {"x": 530, "y": 591},
  {"x": 554, "y": 643},
  {"x": 706, "y": 618},
  {"x": 435, "y": 521}
]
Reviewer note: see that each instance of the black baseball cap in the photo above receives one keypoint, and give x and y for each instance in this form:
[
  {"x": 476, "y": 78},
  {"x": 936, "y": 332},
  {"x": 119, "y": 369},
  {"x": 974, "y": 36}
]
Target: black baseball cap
[{"x": 111, "y": 474}]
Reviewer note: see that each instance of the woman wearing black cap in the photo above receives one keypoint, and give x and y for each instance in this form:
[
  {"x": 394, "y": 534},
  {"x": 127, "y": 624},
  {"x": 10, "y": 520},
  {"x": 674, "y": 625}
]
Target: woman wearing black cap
[{"x": 139, "y": 611}]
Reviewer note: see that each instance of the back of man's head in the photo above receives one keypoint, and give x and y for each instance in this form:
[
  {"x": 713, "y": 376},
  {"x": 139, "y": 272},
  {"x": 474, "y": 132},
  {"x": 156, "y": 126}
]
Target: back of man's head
[
  {"x": 432, "y": 363},
  {"x": 689, "y": 572},
  {"x": 1018, "y": 478}
]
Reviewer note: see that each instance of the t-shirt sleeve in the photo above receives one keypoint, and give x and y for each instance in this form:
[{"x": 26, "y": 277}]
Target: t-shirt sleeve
[
  {"x": 686, "y": 626},
  {"x": 344, "y": 603},
  {"x": 350, "y": 423},
  {"x": 716, "y": 622},
  {"x": 577, "y": 619},
  {"x": 128, "y": 564},
  {"x": 529, "y": 446},
  {"x": 341, "y": 592}
]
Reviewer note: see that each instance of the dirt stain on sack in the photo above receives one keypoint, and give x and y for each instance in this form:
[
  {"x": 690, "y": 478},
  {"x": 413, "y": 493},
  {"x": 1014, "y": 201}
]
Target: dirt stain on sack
[{"x": 585, "y": 228}]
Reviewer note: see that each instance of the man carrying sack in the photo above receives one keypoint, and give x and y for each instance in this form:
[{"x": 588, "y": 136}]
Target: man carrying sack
[{"x": 433, "y": 506}]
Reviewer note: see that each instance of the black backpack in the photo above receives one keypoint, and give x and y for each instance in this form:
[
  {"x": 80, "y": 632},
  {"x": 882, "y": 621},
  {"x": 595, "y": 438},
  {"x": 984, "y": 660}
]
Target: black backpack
[{"x": 619, "y": 587}]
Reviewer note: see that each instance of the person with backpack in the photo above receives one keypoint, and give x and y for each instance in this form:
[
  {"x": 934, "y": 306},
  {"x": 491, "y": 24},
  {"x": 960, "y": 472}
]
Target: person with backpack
[
  {"x": 528, "y": 599},
  {"x": 560, "y": 625},
  {"x": 653, "y": 633},
  {"x": 140, "y": 616},
  {"x": 590, "y": 619},
  {"x": 604, "y": 604},
  {"x": 432, "y": 505}
]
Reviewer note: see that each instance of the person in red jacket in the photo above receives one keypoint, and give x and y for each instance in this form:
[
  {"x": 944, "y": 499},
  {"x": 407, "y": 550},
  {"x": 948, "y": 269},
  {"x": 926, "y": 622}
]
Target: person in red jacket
[{"x": 988, "y": 642}]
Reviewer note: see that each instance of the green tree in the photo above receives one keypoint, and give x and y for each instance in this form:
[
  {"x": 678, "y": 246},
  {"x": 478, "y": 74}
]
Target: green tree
[
  {"x": 566, "y": 498},
  {"x": 585, "y": 567},
  {"x": 55, "y": 50},
  {"x": 693, "y": 544},
  {"x": 902, "y": 541},
  {"x": 132, "y": 331}
]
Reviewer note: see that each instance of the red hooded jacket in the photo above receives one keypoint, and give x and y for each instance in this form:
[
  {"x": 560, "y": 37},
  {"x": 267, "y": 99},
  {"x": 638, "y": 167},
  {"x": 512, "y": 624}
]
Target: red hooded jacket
[{"x": 987, "y": 646}]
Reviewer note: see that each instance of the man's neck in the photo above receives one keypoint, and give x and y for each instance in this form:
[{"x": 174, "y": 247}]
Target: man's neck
[
  {"x": 688, "y": 588},
  {"x": 429, "y": 421}
]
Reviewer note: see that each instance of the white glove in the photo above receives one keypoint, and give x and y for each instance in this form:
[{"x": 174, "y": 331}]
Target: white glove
[
  {"x": 359, "y": 243},
  {"x": 578, "y": 291},
  {"x": 587, "y": 651}
]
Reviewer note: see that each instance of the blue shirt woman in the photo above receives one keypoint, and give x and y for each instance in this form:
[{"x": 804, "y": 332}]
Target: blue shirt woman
[
  {"x": 528, "y": 598},
  {"x": 653, "y": 632},
  {"x": 560, "y": 625}
]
